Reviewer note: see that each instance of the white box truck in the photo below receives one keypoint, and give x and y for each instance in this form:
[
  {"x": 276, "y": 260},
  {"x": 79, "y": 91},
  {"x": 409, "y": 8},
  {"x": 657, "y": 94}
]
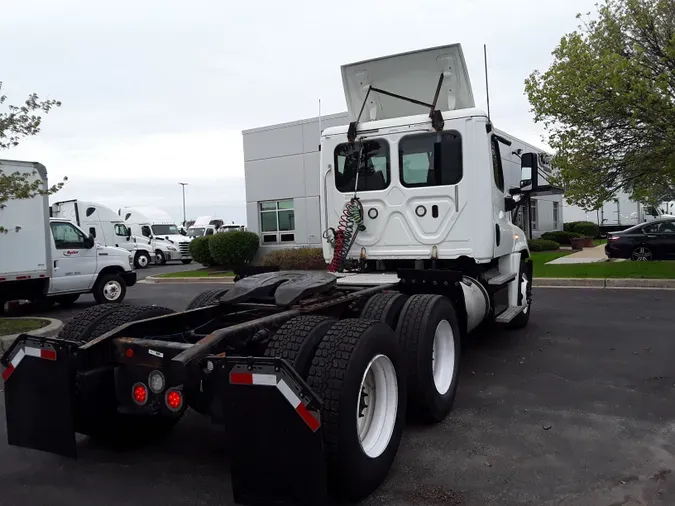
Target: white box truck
[
  {"x": 52, "y": 260},
  {"x": 155, "y": 224},
  {"x": 106, "y": 227}
]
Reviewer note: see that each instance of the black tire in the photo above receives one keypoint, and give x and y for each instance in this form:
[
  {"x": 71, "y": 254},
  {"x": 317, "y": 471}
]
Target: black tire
[
  {"x": 297, "y": 340},
  {"x": 101, "y": 289},
  {"x": 336, "y": 374},
  {"x": 80, "y": 326},
  {"x": 384, "y": 307},
  {"x": 207, "y": 298},
  {"x": 142, "y": 260},
  {"x": 416, "y": 331},
  {"x": 524, "y": 299},
  {"x": 159, "y": 258},
  {"x": 186, "y": 261},
  {"x": 67, "y": 300},
  {"x": 125, "y": 314}
]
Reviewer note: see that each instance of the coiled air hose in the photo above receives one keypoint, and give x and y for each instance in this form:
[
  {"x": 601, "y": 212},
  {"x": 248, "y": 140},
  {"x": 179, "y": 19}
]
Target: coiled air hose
[{"x": 342, "y": 239}]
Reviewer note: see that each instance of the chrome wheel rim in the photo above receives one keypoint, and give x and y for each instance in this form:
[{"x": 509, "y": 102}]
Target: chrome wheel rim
[
  {"x": 641, "y": 254},
  {"x": 377, "y": 406},
  {"x": 143, "y": 260},
  {"x": 443, "y": 357}
]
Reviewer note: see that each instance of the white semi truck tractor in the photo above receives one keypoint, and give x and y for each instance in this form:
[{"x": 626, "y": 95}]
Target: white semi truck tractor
[{"x": 314, "y": 373}]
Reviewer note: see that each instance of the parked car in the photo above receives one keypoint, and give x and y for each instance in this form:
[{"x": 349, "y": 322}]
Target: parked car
[{"x": 643, "y": 242}]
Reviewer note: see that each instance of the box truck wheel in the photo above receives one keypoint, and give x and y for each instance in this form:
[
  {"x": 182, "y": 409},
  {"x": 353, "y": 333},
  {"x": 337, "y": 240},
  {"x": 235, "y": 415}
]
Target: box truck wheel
[
  {"x": 384, "y": 307},
  {"x": 109, "y": 288},
  {"x": 429, "y": 335},
  {"x": 358, "y": 372},
  {"x": 297, "y": 340},
  {"x": 142, "y": 259}
]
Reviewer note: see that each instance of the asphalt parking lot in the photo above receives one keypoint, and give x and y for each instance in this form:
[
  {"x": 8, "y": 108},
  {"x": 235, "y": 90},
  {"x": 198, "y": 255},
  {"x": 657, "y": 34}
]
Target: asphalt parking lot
[{"x": 578, "y": 409}]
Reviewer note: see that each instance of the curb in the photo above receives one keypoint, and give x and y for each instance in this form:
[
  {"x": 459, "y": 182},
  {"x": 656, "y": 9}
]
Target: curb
[
  {"x": 155, "y": 280},
  {"x": 49, "y": 330},
  {"x": 605, "y": 283}
]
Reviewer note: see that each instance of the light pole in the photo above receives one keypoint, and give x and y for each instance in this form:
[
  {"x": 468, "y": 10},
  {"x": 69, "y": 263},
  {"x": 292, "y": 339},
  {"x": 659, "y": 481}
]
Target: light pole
[{"x": 184, "y": 218}]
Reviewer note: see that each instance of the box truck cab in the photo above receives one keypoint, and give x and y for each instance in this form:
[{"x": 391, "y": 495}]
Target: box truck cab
[
  {"x": 157, "y": 226},
  {"x": 106, "y": 227},
  {"x": 53, "y": 260}
]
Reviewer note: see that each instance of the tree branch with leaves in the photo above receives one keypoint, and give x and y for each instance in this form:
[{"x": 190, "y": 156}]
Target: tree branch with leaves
[
  {"x": 16, "y": 123},
  {"x": 608, "y": 103}
]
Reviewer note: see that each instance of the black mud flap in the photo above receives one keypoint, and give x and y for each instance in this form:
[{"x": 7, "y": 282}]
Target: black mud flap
[
  {"x": 39, "y": 393},
  {"x": 275, "y": 427}
]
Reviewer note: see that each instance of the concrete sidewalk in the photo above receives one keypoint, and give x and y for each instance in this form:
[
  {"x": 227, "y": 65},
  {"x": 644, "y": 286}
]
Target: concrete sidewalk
[{"x": 585, "y": 256}]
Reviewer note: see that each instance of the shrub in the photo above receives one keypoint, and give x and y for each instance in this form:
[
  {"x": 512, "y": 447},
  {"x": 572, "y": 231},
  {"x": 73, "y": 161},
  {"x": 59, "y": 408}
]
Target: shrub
[
  {"x": 233, "y": 248},
  {"x": 295, "y": 259},
  {"x": 199, "y": 249},
  {"x": 542, "y": 245},
  {"x": 560, "y": 236},
  {"x": 569, "y": 226},
  {"x": 586, "y": 228}
]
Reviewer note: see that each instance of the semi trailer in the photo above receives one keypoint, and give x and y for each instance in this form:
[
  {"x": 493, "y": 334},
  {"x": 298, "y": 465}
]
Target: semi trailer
[{"x": 313, "y": 374}]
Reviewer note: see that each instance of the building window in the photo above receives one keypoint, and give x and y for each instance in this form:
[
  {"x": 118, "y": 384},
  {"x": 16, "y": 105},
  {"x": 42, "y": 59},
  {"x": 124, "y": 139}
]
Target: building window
[
  {"x": 556, "y": 215},
  {"x": 277, "y": 221},
  {"x": 416, "y": 159},
  {"x": 534, "y": 215},
  {"x": 373, "y": 167}
]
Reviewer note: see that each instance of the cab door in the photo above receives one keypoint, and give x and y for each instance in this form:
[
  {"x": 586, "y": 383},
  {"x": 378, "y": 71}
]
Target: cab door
[{"x": 74, "y": 258}]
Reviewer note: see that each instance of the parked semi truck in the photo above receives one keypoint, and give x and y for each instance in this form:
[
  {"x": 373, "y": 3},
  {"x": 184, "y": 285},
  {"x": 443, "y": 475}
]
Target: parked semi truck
[
  {"x": 156, "y": 225},
  {"x": 53, "y": 260},
  {"x": 313, "y": 373},
  {"x": 208, "y": 225},
  {"x": 106, "y": 227}
]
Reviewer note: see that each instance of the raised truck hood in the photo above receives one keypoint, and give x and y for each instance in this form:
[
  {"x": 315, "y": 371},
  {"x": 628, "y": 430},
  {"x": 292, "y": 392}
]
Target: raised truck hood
[{"x": 413, "y": 75}]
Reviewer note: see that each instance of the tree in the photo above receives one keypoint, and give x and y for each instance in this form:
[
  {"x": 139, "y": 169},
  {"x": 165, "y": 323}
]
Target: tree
[
  {"x": 608, "y": 103},
  {"x": 16, "y": 123}
]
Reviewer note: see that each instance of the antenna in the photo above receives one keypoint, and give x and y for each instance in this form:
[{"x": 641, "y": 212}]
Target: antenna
[
  {"x": 487, "y": 82},
  {"x": 319, "y": 117}
]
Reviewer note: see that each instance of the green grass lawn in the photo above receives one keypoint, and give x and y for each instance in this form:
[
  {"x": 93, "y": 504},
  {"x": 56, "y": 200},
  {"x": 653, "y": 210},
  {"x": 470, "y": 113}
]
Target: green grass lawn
[
  {"x": 18, "y": 325},
  {"x": 201, "y": 273},
  {"x": 651, "y": 270}
]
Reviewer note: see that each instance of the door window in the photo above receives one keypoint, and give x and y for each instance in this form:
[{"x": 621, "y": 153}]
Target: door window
[
  {"x": 663, "y": 227},
  {"x": 145, "y": 230},
  {"x": 497, "y": 168},
  {"x": 121, "y": 230},
  {"x": 66, "y": 236}
]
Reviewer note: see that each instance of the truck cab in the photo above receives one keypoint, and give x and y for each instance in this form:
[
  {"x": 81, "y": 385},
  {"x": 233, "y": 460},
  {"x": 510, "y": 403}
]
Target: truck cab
[
  {"x": 106, "y": 227},
  {"x": 159, "y": 228},
  {"x": 80, "y": 264}
]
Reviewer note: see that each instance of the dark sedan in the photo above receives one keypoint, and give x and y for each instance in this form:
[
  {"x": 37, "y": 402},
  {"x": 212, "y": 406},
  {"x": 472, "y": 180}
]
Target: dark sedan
[{"x": 647, "y": 241}]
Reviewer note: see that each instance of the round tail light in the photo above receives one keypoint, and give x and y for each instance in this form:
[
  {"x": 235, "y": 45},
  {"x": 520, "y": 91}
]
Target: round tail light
[
  {"x": 140, "y": 394},
  {"x": 174, "y": 400}
]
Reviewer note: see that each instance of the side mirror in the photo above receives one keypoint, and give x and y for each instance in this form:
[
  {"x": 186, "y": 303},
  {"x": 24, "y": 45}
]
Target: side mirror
[
  {"x": 509, "y": 204},
  {"x": 528, "y": 171}
]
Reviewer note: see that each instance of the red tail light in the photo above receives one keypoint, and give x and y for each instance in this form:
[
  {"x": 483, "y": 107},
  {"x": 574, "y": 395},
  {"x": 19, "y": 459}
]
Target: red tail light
[
  {"x": 140, "y": 394},
  {"x": 174, "y": 400}
]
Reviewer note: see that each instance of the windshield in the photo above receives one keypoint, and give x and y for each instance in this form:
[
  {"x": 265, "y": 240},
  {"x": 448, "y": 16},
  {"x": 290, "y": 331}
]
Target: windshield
[
  {"x": 195, "y": 232},
  {"x": 165, "y": 230}
]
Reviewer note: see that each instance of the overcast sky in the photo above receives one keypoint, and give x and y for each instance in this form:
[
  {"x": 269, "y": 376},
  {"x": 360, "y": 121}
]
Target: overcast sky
[{"x": 157, "y": 91}]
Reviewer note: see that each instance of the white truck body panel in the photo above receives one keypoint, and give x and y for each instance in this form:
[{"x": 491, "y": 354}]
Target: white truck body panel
[{"x": 24, "y": 248}]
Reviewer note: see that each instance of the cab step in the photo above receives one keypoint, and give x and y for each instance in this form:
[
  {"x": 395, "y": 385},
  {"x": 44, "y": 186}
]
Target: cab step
[
  {"x": 510, "y": 313},
  {"x": 502, "y": 279}
]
